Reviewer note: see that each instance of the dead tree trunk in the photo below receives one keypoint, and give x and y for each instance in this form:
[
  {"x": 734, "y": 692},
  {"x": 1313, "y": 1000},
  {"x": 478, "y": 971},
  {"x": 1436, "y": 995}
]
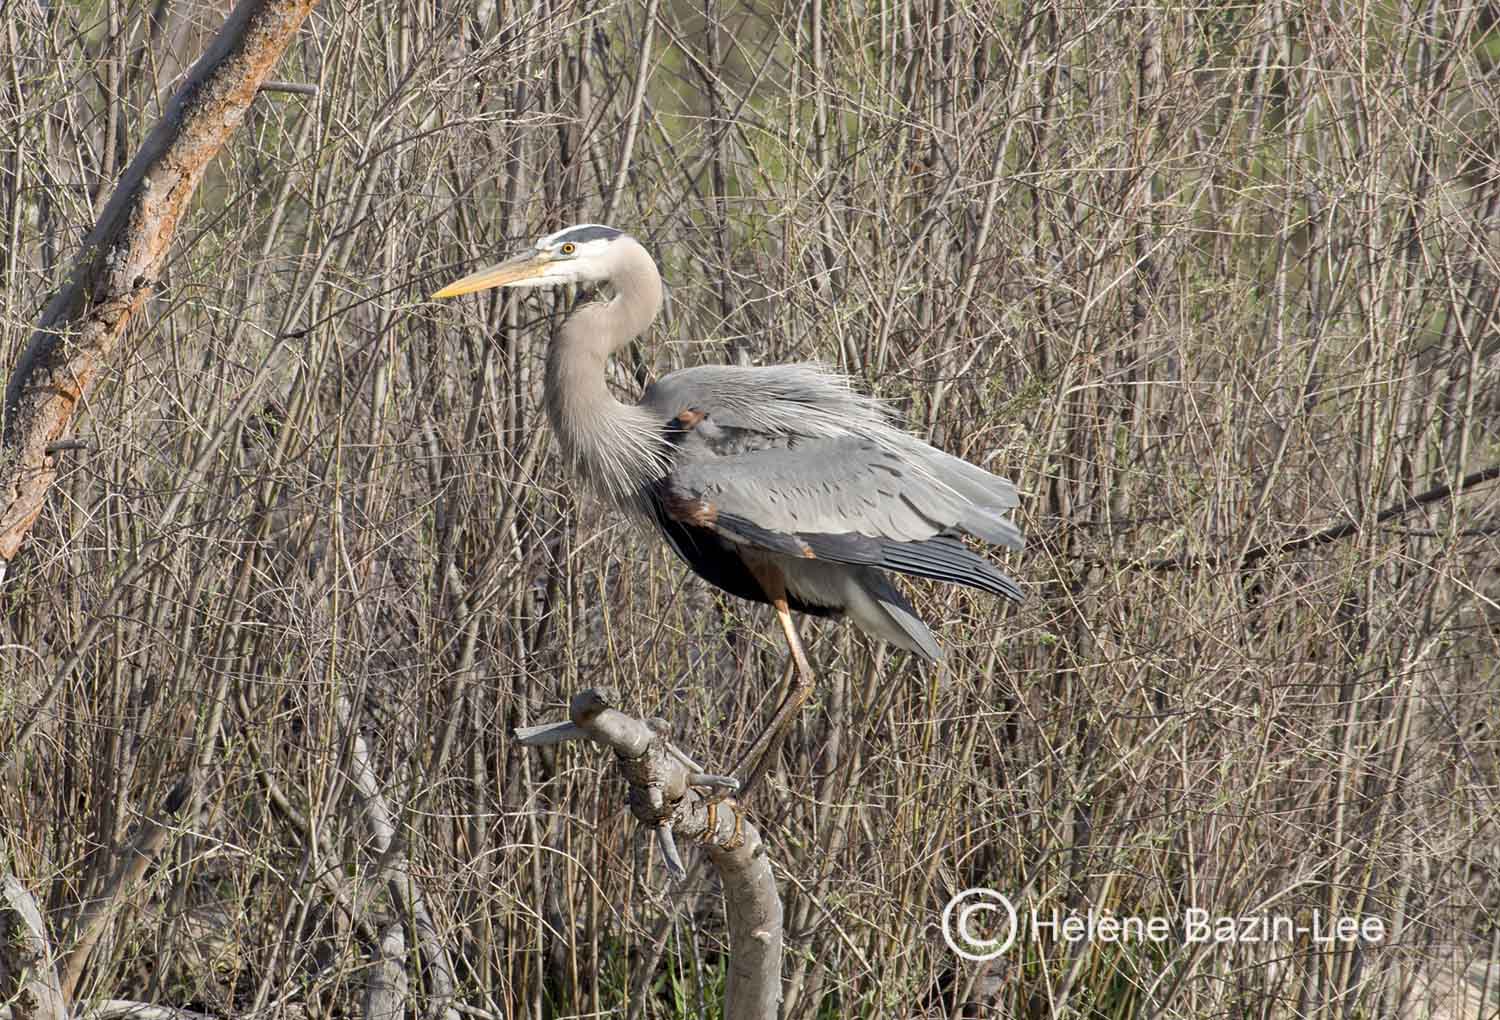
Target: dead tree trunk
[
  {"x": 665, "y": 794},
  {"x": 123, "y": 255}
]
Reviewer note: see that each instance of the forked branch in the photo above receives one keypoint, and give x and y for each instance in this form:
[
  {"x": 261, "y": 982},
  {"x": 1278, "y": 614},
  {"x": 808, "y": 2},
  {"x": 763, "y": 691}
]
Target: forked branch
[{"x": 667, "y": 793}]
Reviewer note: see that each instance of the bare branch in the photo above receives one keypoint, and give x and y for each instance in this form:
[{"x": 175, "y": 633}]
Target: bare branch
[
  {"x": 122, "y": 256},
  {"x": 145, "y": 847},
  {"x": 1334, "y": 532},
  {"x": 295, "y": 87},
  {"x": 126, "y": 1009},
  {"x": 386, "y": 988},
  {"x": 391, "y": 854}
]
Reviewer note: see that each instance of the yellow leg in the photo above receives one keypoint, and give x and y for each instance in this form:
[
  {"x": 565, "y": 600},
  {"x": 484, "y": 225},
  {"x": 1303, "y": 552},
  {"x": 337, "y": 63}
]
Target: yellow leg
[{"x": 799, "y": 679}]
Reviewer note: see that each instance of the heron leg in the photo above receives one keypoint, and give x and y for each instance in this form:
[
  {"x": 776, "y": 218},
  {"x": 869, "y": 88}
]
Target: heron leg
[{"x": 799, "y": 680}]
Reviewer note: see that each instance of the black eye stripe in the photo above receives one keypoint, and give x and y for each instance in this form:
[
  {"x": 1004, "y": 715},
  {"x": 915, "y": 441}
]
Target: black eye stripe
[{"x": 592, "y": 232}]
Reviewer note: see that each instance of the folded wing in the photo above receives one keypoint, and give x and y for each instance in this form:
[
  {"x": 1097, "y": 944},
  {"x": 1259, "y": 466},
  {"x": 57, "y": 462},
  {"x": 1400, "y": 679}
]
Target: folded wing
[{"x": 851, "y": 500}]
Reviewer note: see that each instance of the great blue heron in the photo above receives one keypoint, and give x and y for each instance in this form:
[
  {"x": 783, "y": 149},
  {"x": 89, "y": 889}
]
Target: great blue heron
[{"x": 778, "y": 484}]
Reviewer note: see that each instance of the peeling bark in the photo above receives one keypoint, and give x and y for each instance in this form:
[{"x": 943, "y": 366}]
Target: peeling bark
[
  {"x": 667, "y": 794},
  {"x": 123, "y": 255}
]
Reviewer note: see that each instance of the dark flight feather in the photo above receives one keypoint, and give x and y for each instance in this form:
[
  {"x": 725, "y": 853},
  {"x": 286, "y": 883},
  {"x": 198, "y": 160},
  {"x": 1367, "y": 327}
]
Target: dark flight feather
[
  {"x": 943, "y": 558},
  {"x": 719, "y": 563}
]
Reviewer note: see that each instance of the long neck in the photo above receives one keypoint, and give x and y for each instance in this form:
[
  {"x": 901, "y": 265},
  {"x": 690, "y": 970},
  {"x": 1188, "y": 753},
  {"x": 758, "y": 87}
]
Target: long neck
[{"x": 615, "y": 446}]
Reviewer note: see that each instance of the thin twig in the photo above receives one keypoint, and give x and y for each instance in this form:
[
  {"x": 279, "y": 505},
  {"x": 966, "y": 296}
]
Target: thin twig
[
  {"x": 297, "y": 87},
  {"x": 1333, "y": 532}
]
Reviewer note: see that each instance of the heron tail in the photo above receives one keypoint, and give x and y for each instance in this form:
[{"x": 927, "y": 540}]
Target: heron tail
[{"x": 889, "y": 616}]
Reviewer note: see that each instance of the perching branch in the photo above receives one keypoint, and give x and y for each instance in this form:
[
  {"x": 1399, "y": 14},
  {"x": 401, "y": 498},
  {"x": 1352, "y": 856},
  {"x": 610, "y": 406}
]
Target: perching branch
[
  {"x": 122, "y": 256},
  {"x": 665, "y": 796}
]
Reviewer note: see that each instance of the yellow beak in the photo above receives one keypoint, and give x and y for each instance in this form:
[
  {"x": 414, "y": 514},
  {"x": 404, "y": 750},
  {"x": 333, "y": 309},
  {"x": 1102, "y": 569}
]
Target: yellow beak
[{"x": 523, "y": 267}]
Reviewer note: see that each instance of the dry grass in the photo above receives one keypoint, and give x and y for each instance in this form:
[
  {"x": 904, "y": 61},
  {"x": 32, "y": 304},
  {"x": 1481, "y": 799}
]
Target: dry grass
[{"x": 1205, "y": 281}]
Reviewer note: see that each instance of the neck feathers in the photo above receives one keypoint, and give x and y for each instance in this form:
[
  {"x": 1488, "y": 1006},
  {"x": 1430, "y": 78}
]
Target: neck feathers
[
  {"x": 637, "y": 287},
  {"x": 616, "y": 447}
]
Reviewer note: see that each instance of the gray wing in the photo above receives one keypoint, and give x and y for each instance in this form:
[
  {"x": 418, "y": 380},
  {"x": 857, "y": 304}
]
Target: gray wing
[
  {"x": 774, "y": 401},
  {"x": 746, "y": 409},
  {"x": 847, "y": 500},
  {"x": 790, "y": 458}
]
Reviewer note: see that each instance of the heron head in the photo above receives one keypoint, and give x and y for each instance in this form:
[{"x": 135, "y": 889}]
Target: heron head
[{"x": 580, "y": 254}]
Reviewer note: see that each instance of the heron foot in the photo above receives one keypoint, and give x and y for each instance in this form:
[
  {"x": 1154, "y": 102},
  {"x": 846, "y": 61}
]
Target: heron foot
[{"x": 757, "y": 760}]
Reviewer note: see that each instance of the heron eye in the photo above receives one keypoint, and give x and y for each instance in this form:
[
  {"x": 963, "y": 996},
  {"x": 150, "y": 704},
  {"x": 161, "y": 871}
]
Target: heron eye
[{"x": 568, "y": 248}]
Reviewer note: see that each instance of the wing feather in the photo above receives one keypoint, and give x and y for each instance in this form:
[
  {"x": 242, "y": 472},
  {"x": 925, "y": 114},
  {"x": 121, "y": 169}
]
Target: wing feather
[
  {"x": 785, "y": 400},
  {"x": 841, "y": 500},
  {"x": 831, "y": 486},
  {"x": 793, "y": 460}
]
